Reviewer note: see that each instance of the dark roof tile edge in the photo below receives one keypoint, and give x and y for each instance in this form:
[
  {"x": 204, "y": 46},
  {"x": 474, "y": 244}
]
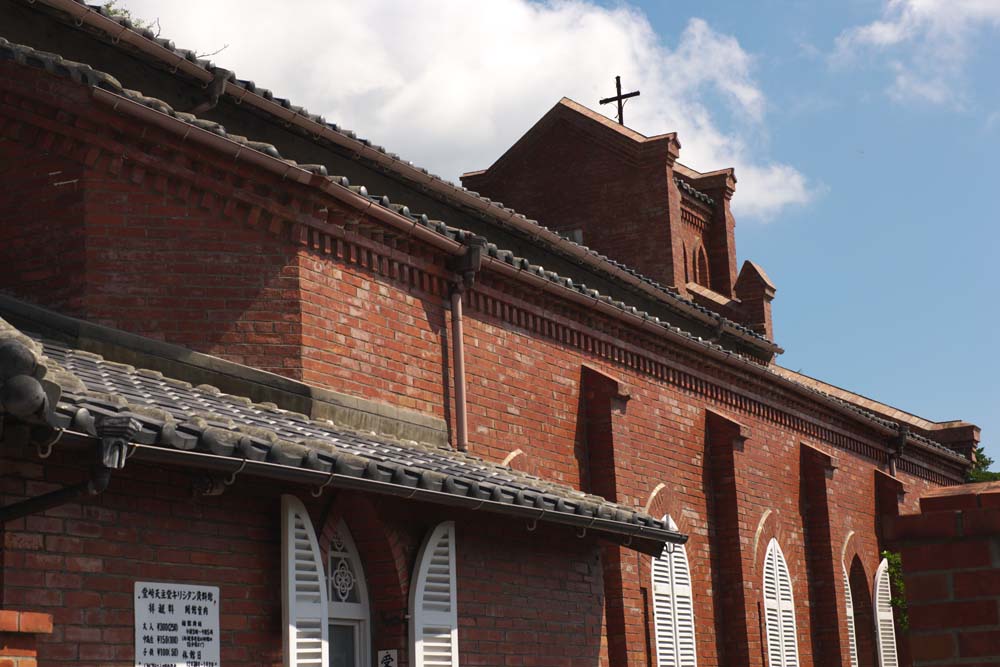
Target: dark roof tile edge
[{"x": 696, "y": 194}]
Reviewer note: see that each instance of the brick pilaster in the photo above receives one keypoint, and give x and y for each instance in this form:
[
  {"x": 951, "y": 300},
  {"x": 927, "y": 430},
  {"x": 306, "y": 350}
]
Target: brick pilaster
[
  {"x": 725, "y": 442},
  {"x": 824, "y": 566}
]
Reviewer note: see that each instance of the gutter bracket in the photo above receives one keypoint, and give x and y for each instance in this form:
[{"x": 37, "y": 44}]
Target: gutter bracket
[
  {"x": 115, "y": 433},
  {"x": 897, "y": 446},
  {"x": 214, "y": 90},
  {"x": 470, "y": 262}
]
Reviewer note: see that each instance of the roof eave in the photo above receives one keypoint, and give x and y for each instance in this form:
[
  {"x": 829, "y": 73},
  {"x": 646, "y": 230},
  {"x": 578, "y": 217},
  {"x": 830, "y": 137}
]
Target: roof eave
[{"x": 647, "y": 539}]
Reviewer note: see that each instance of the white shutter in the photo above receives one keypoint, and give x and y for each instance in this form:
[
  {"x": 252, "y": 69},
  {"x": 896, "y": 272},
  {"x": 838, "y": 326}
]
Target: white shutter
[
  {"x": 304, "y": 603},
  {"x": 779, "y": 610},
  {"x": 673, "y": 607},
  {"x": 885, "y": 629},
  {"x": 852, "y": 641},
  {"x": 433, "y": 601}
]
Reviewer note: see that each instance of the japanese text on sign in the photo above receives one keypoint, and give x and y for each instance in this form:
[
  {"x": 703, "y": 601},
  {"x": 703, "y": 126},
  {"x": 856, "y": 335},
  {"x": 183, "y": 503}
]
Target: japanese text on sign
[{"x": 176, "y": 625}]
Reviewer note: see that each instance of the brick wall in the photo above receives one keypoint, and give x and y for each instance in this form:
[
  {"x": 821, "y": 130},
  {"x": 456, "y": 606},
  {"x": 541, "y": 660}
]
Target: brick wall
[
  {"x": 42, "y": 233},
  {"x": 534, "y": 597},
  {"x": 951, "y": 565},
  {"x": 574, "y": 174},
  {"x": 166, "y": 268}
]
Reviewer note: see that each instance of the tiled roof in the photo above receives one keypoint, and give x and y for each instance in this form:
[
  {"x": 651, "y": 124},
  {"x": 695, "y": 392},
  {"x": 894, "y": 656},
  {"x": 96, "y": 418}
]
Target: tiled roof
[
  {"x": 85, "y": 74},
  {"x": 177, "y": 416},
  {"x": 696, "y": 194},
  {"x": 665, "y": 294}
]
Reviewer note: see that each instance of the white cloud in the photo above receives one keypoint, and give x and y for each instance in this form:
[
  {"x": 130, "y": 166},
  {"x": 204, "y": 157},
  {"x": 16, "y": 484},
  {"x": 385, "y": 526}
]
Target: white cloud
[
  {"x": 450, "y": 85},
  {"x": 932, "y": 40}
]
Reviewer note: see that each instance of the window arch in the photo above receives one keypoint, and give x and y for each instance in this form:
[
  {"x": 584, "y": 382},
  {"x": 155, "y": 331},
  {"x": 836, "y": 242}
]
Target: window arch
[
  {"x": 779, "y": 610},
  {"x": 864, "y": 614},
  {"x": 701, "y": 267},
  {"x": 673, "y": 606},
  {"x": 348, "y": 619},
  {"x": 885, "y": 628}
]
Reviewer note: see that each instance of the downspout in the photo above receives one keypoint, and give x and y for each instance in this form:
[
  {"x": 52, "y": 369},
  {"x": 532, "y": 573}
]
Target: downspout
[
  {"x": 458, "y": 355},
  {"x": 466, "y": 265},
  {"x": 897, "y": 445}
]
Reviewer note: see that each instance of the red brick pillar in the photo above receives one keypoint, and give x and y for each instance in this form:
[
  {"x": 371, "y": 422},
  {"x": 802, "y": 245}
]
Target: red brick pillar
[
  {"x": 605, "y": 400},
  {"x": 725, "y": 441},
  {"x": 827, "y": 617},
  {"x": 951, "y": 566},
  {"x": 19, "y": 632}
]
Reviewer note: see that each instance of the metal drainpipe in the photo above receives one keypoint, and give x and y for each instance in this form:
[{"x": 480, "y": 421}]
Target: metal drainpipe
[
  {"x": 898, "y": 445},
  {"x": 458, "y": 347},
  {"x": 466, "y": 265}
]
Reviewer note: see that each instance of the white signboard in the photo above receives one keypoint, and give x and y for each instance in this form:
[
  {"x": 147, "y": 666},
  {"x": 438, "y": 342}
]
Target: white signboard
[
  {"x": 176, "y": 625},
  {"x": 387, "y": 659}
]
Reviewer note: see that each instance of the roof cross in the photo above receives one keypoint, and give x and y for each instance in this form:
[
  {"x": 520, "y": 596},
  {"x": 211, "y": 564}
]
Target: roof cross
[{"x": 620, "y": 99}]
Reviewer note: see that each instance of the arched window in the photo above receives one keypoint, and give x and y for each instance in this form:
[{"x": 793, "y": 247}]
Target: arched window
[
  {"x": 885, "y": 629},
  {"x": 673, "y": 606},
  {"x": 701, "y": 267},
  {"x": 864, "y": 614},
  {"x": 434, "y": 601},
  {"x": 779, "y": 610},
  {"x": 304, "y": 605},
  {"x": 852, "y": 640},
  {"x": 687, "y": 271},
  {"x": 349, "y": 623}
]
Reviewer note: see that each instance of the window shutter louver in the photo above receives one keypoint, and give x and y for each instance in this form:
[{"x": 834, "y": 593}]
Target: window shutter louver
[
  {"x": 304, "y": 604},
  {"x": 779, "y": 610},
  {"x": 673, "y": 607},
  {"x": 852, "y": 641},
  {"x": 433, "y": 601},
  {"x": 885, "y": 629}
]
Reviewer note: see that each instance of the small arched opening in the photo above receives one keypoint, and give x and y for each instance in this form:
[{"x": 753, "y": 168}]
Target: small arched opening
[
  {"x": 864, "y": 615},
  {"x": 701, "y": 267}
]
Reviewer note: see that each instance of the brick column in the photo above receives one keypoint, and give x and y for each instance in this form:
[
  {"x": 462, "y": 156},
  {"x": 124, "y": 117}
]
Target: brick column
[
  {"x": 725, "y": 440},
  {"x": 951, "y": 567},
  {"x": 606, "y": 436},
  {"x": 19, "y": 632},
  {"x": 824, "y": 564}
]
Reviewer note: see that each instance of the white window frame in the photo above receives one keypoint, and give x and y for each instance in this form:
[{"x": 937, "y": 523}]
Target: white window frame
[
  {"x": 673, "y": 606},
  {"x": 439, "y": 610},
  {"x": 304, "y": 604},
  {"x": 885, "y": 624},
  {"x": 852, "y": 640},
  {"x": 781, "y": 633},
  {"x": 352, "y": 614}
]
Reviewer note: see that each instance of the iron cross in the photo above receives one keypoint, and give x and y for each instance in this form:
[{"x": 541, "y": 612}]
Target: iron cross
[{"x": 620, "y": 99}]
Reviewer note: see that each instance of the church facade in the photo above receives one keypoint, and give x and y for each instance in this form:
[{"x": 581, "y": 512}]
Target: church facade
[{"x": 262, "y": 376}]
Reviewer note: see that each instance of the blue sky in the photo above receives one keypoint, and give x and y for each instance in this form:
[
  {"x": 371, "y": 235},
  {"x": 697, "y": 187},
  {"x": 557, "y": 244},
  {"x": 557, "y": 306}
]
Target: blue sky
[
  {"x": 885, "y": 279},
  {"x": 862, "y": 131}
]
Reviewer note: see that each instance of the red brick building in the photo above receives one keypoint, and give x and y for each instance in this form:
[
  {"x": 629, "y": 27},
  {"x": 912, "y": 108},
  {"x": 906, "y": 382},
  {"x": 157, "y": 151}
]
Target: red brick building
[{"x": 367, "y": 416}]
